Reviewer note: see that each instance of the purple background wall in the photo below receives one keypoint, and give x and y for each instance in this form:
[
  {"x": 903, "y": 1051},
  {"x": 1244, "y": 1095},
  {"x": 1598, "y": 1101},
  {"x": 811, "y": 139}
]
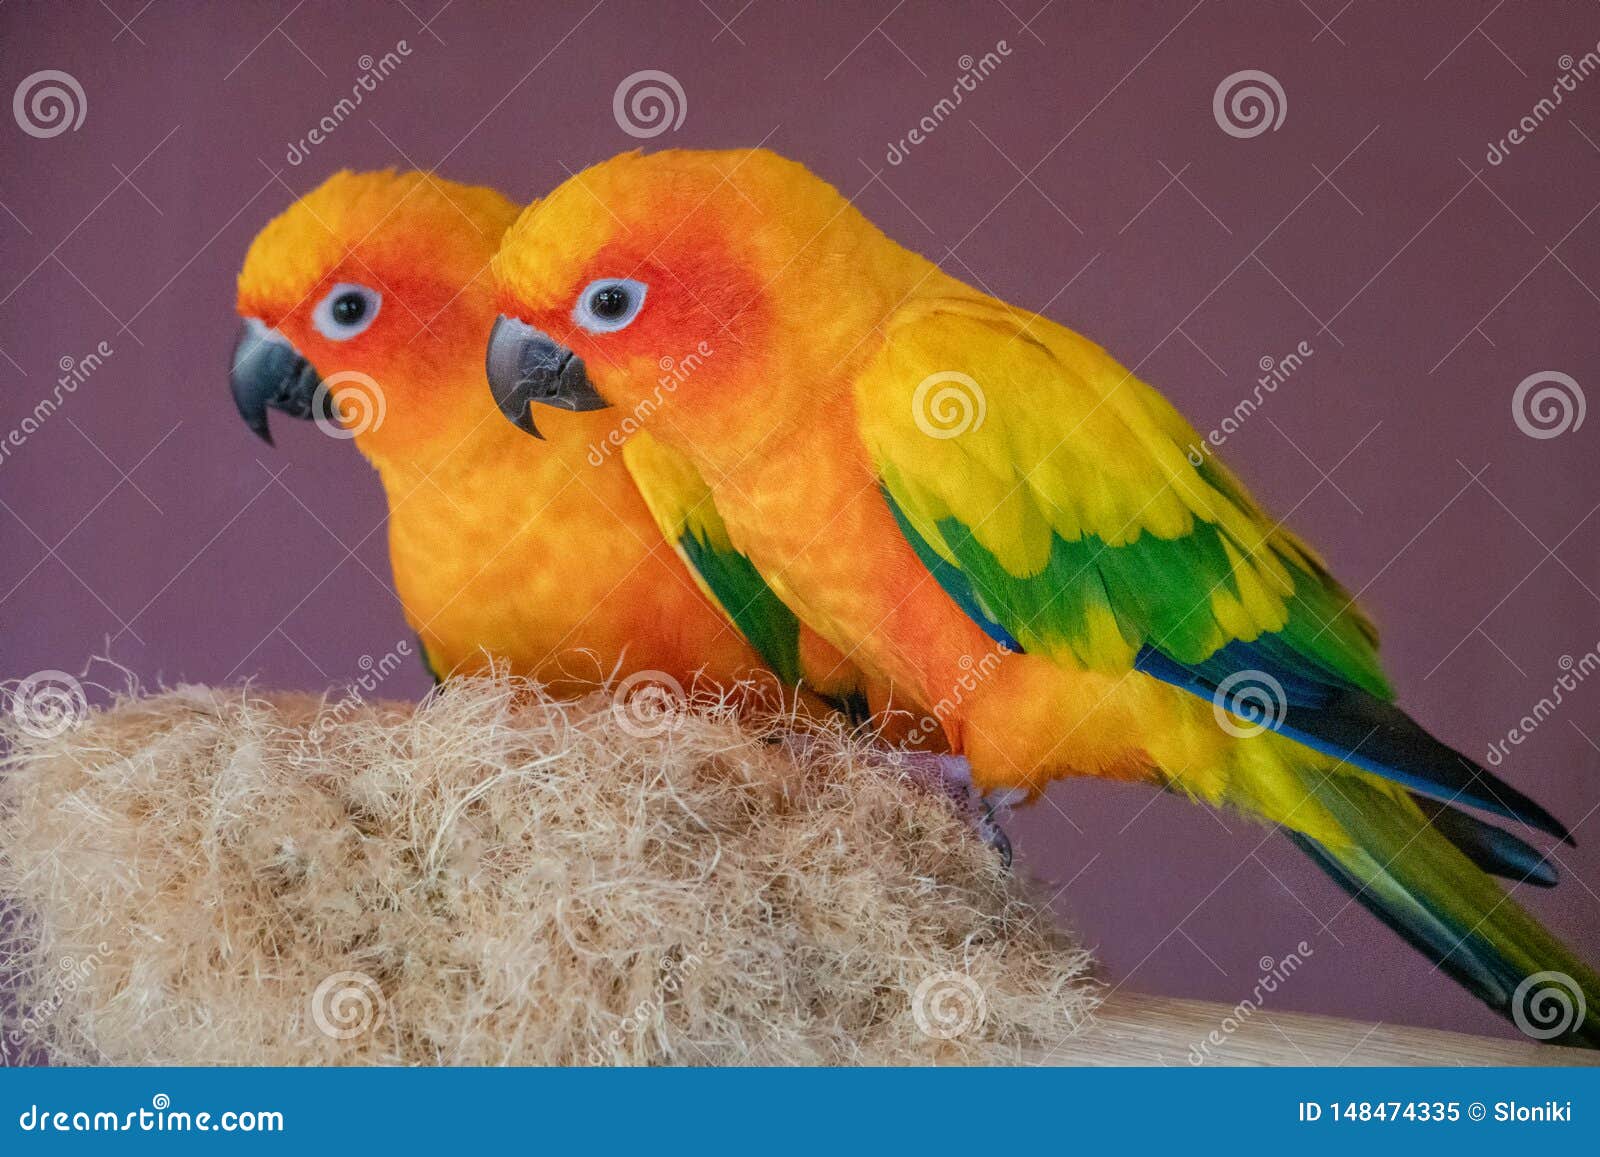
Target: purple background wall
[{"x": 1087, "y": 177}]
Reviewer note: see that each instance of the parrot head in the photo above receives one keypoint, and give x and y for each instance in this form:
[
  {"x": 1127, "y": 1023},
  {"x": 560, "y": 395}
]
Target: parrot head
[
  {"x": 364, "y": 306},
  {"x": 682, "y": 281}
]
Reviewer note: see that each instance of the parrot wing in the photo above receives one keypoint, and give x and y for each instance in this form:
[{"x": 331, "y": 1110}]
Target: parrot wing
[
  {"x": 682, "y": 506},
  {"x": 1070, "y": 511}
]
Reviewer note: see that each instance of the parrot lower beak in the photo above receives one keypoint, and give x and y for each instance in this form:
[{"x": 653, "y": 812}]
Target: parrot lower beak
[
  {"x": 269, "y": 372},
  {"x": 526, "y": 366}
]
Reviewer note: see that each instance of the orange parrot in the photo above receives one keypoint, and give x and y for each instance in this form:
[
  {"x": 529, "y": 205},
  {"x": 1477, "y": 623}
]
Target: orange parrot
[
  {"x": 365, "y": 305},
  {"x": 985, "y": 510}
]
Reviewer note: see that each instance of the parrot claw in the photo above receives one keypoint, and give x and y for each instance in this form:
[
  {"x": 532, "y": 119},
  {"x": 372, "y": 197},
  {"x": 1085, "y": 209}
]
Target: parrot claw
[
  {"x": 951, "y": 776},
  {"x": 994, "y": 835}
]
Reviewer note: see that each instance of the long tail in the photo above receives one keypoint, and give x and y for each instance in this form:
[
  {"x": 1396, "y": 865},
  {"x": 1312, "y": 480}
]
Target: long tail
[{"x": 1414, "y": 875}]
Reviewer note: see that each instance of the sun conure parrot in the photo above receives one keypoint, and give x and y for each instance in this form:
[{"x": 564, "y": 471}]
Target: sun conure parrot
[
  {"x": 989, "y": 512},
  {"x": 365, "y": 305}
]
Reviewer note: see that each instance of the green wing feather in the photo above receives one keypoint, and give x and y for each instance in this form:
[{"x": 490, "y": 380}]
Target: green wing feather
[
  {"x": 1054, "y": 495},
  {"x": 1412, "y": 876},
  {"x": 682, "y": 505}
]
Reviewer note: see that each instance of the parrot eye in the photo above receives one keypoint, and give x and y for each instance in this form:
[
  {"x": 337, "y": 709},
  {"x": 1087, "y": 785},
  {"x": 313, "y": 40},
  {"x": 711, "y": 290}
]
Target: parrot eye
[
  {"x": 346, "y": 311},
  {"x": 609, "y": 304}
]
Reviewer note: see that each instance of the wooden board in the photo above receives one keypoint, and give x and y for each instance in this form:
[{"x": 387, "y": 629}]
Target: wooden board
[{"x": 1149, "y": 1030}]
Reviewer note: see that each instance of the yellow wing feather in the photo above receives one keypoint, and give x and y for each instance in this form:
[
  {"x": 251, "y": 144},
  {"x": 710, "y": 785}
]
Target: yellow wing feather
[{"x": 1060, "y": 487}]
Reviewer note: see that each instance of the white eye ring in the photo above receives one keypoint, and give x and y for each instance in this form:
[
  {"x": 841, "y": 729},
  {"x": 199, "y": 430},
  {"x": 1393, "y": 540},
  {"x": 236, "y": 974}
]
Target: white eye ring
[
  {"x": 357, "y": 309},
  {"x": 609, "y": 319}
]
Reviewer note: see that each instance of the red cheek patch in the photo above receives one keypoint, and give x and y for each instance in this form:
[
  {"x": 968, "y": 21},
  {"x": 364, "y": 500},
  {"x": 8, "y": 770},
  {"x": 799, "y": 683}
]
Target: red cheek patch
[{"x": 696, "y": 291}]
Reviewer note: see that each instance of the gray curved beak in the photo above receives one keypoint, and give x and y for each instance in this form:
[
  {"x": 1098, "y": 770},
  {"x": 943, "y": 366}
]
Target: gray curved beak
[
  {"x": 525, "y": 366},
  {"x": 269, "y": 373}
]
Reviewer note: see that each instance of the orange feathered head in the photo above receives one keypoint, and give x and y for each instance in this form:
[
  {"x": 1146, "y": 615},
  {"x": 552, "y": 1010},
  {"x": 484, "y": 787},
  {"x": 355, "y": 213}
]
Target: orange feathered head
[
  {"x": 674, "y": 284},
  {"x": 365, "y": 305}
]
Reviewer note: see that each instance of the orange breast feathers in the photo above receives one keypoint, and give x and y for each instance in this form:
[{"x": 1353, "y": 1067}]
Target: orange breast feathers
[
  {"x": 515, "y": 551},
  {"x": 864, "y": 603}
]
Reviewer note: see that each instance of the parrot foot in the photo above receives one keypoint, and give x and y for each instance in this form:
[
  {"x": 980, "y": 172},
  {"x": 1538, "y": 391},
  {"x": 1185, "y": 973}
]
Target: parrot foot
[
  {"x": 996, "y": 806},
  {"x": 951, "y": 776}
]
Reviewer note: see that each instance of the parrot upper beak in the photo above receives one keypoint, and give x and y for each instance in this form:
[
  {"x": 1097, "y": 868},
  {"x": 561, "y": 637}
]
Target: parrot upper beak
[
  {"x": 527, "y": 366},
  {"x": 269, "y": 371}
]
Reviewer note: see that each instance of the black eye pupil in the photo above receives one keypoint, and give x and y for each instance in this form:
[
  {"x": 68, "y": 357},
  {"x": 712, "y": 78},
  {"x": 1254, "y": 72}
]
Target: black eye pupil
[
  {"x": 609, "y": 303},
  {"x": 349, "y": 309}
]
